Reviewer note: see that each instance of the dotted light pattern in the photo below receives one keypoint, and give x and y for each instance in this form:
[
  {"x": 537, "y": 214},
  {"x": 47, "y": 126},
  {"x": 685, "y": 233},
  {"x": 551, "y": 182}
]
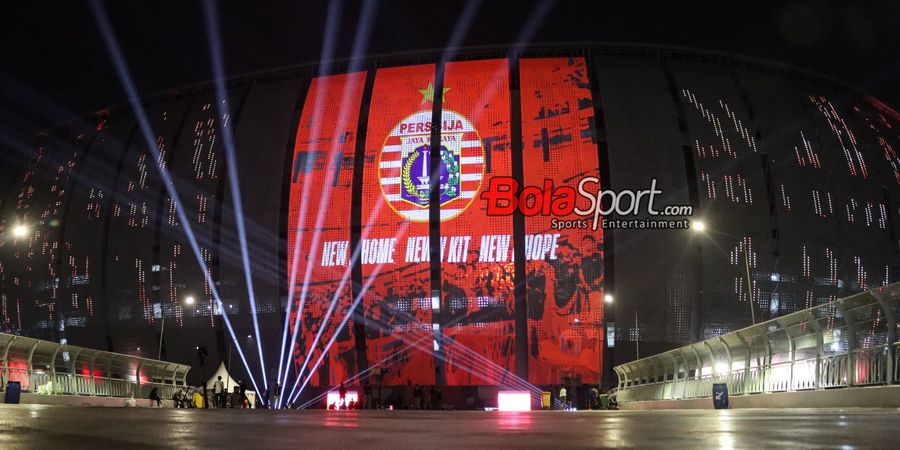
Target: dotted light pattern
[{"x": 856, "y": 164}]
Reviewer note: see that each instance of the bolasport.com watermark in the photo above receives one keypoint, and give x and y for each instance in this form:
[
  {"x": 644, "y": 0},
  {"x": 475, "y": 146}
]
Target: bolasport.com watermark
[{"x": 504, "y": 197}]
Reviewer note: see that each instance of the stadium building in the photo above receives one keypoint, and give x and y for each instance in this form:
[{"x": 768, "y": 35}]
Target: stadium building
[{"x": 794, "y": 176}]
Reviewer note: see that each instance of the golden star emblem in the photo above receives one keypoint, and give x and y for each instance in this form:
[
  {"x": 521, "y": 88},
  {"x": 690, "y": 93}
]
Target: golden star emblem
[{"x": 428, "y": 94}]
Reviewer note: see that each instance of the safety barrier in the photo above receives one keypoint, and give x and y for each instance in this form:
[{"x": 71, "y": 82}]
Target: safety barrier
[
  {"x": 853, "y": 341},
  {"x": 60, "y": 369}
]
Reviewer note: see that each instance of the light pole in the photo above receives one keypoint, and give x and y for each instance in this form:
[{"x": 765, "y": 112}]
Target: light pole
[
  {"x": 698, "y": 226},
  {"x": 608, "y": 300},
  {"x": 162, "y": 329}
]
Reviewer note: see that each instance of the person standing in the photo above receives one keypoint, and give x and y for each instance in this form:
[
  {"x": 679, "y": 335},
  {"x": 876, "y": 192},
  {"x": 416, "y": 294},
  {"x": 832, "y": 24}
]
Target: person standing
[
  {"x": 367, "y": 396},
  {"x": 418, "y": 397},
  {"x": 562, "y": 398},
  {"x": 277, "y": 396},
  {"x": 154, "y": 397},
  {"x": 342, "y": 393},
  {"x": 435, "y": 398},
  {"x": 219, "y": 391}
]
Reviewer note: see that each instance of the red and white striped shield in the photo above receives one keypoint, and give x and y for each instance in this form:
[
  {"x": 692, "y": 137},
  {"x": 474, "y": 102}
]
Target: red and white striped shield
[{"x": 404, "y": 160}]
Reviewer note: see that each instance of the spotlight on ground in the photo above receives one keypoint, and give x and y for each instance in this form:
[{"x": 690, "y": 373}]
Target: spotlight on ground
[
  {"x": 334, "y": 399},
  {"x": 189, "y": 300},
  {"x": 608, "y": 298},
  {"x": 698, "y": 226},
  {"x": 514, "y": 401}
]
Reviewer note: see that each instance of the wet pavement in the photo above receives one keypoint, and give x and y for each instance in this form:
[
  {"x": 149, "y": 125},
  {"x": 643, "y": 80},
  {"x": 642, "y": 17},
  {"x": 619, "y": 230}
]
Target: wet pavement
[{"x": 44, "y": 426}]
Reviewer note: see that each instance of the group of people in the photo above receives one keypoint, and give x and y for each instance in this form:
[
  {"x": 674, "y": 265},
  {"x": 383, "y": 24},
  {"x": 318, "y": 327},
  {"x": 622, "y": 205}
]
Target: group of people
[
  {"x": 595, "y": 399},
  {"x": 414, "y": 397},
  {"x": 342, "y": 402},
  {"x": 433, "y": 401},
  {"x": 194, "y": 397},
  {"x": 369, "y": 399},
  {"x": 188, "y": 397}
]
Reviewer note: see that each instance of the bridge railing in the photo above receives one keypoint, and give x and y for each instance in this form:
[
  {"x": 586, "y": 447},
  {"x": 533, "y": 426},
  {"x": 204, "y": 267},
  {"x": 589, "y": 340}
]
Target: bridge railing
[
  {"x": 853, "y": 341},
  {"x": 58, "y": 369}
]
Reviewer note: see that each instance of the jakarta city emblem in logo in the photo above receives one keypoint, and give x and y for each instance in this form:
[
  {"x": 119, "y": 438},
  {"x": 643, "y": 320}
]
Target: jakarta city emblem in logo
[{"x": 406, "y": 157}]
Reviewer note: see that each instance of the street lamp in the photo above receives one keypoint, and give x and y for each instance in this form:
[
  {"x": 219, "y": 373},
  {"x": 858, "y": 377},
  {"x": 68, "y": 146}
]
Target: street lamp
[
  {"x": 699, "y": 226},
  {"x": 20, "y": 230},
  {"x": 189, "y": 300}
]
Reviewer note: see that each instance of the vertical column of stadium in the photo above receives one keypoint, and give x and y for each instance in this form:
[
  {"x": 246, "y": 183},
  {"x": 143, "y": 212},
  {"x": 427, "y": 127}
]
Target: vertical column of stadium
[
  {"x": 285, "y": 291},
  {"x": 359, "y": 159},
  {"x": 518, "y": 170},
  {"x": 434, "y": 222},
  {"x": 104, "y": 246},
  {"x": 598, "y": 127},
  {"x": 162, "y": 196},
  {"x": 221, "y": 342},
  {"x": 696, "y": 302}
]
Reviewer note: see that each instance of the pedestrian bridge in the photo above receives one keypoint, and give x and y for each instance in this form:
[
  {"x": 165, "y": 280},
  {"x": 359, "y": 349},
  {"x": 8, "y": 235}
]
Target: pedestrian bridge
[
  {"x": 52, "y": 368},
  {"x": 849, "y": 342}
]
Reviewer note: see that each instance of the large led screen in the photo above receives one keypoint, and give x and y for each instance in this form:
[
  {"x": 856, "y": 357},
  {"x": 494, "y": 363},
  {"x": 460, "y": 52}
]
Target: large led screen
[
  {"x": 564, "y": 268},
  {"x": 318, "y": 225},
  {"x": 474, "y": 331},
  {"x": 394, "y": 240},
  {"x": 476, "y": 266}
]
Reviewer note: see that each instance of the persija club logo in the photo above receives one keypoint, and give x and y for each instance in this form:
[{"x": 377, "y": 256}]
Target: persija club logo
[
  {"x": 504, "y": 197},
  {"x": 406, "y": 157}
]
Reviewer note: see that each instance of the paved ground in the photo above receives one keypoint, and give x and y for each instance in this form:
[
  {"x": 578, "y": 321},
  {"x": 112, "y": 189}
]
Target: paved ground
[{"x": 42, "y": 426}]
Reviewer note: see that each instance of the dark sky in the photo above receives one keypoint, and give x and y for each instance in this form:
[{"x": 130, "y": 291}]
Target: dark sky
[{"x": 55, "y": 65}]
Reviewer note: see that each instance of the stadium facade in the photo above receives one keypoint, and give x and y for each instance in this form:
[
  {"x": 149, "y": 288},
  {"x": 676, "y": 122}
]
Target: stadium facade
[{"x": 795, "y": 176}]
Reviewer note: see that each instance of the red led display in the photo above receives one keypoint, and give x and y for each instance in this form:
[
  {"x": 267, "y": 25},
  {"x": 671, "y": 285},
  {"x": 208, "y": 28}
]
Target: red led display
[
  {"x": 394, "y": 241},
  {"x": 474, "y": 331},
  {"x": 564, "y": 268},
  {"x": 318, "y": 215},
  {"x": 477, "y": 267}
]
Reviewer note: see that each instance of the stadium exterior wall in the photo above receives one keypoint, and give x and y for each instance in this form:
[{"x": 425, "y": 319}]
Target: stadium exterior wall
[{"x": 796, "y": 175}]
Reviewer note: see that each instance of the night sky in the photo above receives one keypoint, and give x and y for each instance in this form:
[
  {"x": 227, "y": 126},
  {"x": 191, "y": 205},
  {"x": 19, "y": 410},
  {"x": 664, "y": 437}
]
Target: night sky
[{"x": 55, "y": 65}]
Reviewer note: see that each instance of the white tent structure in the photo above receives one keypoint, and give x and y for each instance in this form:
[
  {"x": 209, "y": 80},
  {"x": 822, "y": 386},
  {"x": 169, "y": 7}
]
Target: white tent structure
[{"x": 230, "y": 384}]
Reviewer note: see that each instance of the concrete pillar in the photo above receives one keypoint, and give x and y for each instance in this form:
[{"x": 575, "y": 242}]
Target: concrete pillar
[
  {"x": 730, "y": 360},
  {"x": 793, "y": 350},
  {"x": 891, "y": 333},
  {"x": 850, "y": 321},
  {"x": 820, "y": 350},
  {"x": 747, "y": 350},
  {"x": 137, "y": 378},
  {"x": 93, "y": 381},
  {"x": 766, "y": 366},
  {"x": 29, "y": 360},
  {"x": 6, "y": 358},
  {"x": 698, "y": 371},
  {"x": 53, "y": 369}
]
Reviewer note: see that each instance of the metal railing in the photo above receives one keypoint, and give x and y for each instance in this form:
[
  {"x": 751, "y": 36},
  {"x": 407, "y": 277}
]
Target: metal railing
[
  {"x": 58, "y": 369},
  {"x": 853, "y": 341}
]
